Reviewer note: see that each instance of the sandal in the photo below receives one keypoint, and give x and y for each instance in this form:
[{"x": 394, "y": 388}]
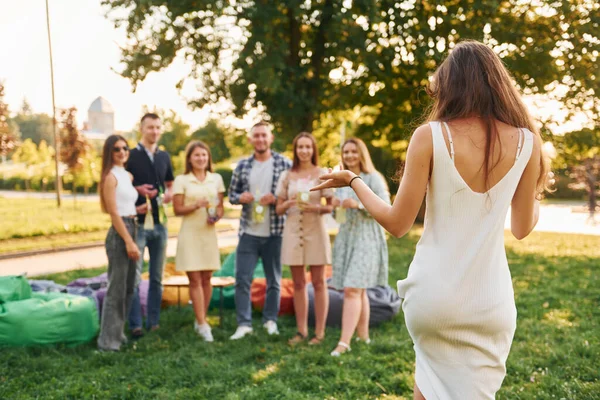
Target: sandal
[
  {"x": 336, "y": 353},
  {"x": 365, "y": 341},
  {"x": 316, "y": 340},
  {"x": 297, "y": 339}
]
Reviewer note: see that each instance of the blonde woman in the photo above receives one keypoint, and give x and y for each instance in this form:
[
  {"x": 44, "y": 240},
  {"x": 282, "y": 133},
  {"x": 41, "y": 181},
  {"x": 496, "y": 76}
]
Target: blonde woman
[
  {"x": 479, "y": 155},
  {"x": 360, "y": 254},
  {"x": 305, "y": 239},
  {"x": 198, "y": 197}
]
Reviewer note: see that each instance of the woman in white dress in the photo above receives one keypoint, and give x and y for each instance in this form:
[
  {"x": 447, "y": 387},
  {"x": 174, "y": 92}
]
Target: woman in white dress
[{"x": 479, "y": 154}]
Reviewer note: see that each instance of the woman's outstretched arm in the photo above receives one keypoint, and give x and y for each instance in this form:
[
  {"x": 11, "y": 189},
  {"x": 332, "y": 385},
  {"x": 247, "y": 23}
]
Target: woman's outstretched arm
[{"x": 400, "y": 216}]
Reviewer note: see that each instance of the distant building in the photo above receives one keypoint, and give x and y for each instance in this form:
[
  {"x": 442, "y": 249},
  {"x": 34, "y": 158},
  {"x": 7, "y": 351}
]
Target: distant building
[{"x": 101, "y": 120}]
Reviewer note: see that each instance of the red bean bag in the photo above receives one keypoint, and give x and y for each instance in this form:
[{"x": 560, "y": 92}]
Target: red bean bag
[{"x": 258, "y": 292}]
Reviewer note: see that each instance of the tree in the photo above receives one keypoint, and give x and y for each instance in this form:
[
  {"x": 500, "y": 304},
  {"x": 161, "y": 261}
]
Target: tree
[
  {"x": 36, "y": 127},
  {"x": 176, "y": 132},
  {"x": 297, "y": 59},
  {"x": 579, "y": 155},
  {"x": 8, "y": 136},
  {"x": 89, "y": 174},
  {"x": 587, "y": 176},
  {"x": 214, "y": 136},
  {"x": 73, "y": 146}
]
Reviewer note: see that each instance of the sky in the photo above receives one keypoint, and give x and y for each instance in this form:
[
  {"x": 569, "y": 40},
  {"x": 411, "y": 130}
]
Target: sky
[
  {"x": 86, "y": 54},
  {"x": 85, "y": 50}
]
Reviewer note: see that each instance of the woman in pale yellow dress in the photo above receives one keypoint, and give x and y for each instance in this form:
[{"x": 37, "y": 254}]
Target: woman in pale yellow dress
[{"x": 198, "y": 197}]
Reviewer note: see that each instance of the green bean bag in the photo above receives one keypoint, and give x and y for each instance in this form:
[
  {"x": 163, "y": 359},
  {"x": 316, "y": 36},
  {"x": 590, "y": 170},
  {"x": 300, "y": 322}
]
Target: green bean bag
[
  {"x": 13, "y": 288},
  {"x": 228, "y": 269},
  {"x": 48, "y": 318}
]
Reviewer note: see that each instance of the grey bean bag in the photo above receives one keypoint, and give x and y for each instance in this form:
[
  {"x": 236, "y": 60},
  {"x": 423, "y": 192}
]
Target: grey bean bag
[{"x": 383, "y": 300}]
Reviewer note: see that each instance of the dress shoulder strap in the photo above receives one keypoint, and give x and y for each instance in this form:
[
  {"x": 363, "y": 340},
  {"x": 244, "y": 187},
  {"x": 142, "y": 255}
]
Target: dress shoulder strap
[{"x": 440, "y": 151}]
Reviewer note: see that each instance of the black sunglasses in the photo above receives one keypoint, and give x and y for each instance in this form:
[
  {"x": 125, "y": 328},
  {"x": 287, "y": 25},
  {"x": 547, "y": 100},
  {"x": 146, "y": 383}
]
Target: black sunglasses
[{"x": 117, "y": 149}]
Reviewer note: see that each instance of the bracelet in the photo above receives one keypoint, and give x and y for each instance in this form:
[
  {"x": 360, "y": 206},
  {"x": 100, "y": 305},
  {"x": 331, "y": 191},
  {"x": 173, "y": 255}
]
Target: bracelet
[{"x": 356, "y": 177}]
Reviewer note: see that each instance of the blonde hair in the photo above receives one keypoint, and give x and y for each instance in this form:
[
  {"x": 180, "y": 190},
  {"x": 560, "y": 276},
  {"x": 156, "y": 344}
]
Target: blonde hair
[{"x": 366, "y": 164}]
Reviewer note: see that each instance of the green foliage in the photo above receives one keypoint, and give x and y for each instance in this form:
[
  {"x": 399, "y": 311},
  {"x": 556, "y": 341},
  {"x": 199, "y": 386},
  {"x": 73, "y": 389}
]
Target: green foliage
[
  {"x": 176, "y": 133},
  {"x": 8, "y": 132},
  {"x": 36, "y": 127},
  {"x": 214, "y": 136},
  {"x": 226, "y": 173},
  {"x": 297, "y": 60},
  {"x": 555, "y": 353},
  {"x": 578, "y": 163}
]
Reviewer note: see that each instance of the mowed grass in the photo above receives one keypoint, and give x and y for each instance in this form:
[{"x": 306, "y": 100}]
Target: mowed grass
[
  {"x": 555, "y": 353},
  {"x": 37, "y": 224}
]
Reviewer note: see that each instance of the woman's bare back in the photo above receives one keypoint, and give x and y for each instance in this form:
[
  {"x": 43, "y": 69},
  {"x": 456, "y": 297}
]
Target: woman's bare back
[{"x": 469, "y": 142}]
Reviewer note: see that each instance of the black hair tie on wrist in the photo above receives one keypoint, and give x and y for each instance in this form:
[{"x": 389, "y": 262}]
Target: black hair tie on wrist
[{"x": 350, "y": 183}]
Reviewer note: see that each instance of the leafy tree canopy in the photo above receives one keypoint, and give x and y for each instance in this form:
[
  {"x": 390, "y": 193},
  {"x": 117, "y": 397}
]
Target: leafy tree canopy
[{"x": 298, "y": 59}]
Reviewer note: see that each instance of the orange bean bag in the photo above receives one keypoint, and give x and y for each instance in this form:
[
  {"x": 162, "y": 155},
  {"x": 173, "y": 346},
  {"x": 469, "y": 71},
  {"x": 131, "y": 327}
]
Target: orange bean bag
[
  {"x": 258, "y": 292},
  {"x": 169, "y": 297}
]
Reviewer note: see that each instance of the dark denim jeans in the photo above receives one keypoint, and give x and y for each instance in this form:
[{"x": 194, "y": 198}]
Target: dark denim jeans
[
  {"x": 121, "y": 281},
  {"x": 249, "y": 249},
  {"x": 156, "y": 241}
]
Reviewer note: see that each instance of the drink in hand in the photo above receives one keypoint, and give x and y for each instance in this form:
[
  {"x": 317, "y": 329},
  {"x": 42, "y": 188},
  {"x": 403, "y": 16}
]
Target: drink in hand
[{"x": 258, "y": 210}]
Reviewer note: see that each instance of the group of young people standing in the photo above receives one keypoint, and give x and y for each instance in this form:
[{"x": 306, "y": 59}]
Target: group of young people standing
[
  {"x": 479, "y": 154},
  {"x": 281, "y": 224}
]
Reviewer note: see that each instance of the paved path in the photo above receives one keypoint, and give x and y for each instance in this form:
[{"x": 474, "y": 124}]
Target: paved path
[
  {"x": 560, "y": 217},
  {"x": 94, "y": 257}
]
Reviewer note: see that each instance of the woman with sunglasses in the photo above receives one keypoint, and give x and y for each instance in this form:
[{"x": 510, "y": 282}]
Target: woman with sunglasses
[{"x": 117, "y": 198}]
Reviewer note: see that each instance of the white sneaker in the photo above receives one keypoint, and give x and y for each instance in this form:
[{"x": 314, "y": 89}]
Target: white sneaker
[
  {"x": 204, "y": 331},
  {"x": 271, "y": 327},
  {"x": 240, "y": 332}
]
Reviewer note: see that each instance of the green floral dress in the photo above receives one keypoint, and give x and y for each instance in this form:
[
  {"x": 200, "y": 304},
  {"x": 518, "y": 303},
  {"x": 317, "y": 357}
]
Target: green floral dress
[{"x": 360, "y": 253}]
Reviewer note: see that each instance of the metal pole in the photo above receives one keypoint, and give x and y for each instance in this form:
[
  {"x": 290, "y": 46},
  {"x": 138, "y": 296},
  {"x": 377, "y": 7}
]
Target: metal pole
[{"x": 56, "y": 140}]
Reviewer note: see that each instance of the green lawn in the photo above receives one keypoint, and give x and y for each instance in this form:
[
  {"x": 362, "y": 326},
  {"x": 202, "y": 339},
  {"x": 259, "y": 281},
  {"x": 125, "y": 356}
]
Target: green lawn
[
  {"x": 555, "y": 354},
  {"x": 37, "y": 224}
]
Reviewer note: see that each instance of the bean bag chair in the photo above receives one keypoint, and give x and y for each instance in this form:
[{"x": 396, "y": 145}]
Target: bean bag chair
[
  {"x": 48, "y": 318},
  {"x": 258, "y": 293},
  {"x": 170, "y": 294},
  {"x": 228, "y": 269},
  {"x": 383, "y": 301},
  {"x": 95, "y": 283},
  {"x": 46, "y": 286},
  {"x": 14, "y": 288}
]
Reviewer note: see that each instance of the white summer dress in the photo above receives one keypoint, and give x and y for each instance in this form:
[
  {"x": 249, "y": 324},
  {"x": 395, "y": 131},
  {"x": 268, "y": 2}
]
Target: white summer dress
[{"x": 458, "y": 296}]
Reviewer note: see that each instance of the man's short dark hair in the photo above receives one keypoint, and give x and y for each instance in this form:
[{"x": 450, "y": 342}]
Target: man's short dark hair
[
  {"x": 260, "y": 123},
  {"x": 149, "y": 116}
]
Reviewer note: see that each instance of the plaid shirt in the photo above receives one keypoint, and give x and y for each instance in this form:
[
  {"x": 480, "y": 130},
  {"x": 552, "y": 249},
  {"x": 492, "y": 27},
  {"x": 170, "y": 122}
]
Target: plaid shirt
[{"x": 240, "y": 183}]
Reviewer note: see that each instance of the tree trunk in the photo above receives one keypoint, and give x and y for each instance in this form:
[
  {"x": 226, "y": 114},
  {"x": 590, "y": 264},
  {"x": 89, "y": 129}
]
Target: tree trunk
[{"x": 592, "y": 188}]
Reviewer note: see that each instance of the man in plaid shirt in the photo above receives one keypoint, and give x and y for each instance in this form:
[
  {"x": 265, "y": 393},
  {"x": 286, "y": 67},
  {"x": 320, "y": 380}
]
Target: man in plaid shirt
[{"x": 253, "y": 185}]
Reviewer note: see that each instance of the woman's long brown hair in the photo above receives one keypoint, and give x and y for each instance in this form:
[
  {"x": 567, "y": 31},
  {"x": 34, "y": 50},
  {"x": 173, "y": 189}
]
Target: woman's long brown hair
[
  {"x": 107, "y": 163},
  {"x": 315, "y": 156},
  {"x": 473, "y": 82}
]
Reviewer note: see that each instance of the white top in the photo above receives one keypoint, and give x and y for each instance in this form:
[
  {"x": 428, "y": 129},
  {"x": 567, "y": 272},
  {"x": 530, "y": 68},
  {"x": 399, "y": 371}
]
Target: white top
[
  {"x": 261, "y": 182},
  {"x": 126, "y": 195},
  {"x": 459, "y": 303}
]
